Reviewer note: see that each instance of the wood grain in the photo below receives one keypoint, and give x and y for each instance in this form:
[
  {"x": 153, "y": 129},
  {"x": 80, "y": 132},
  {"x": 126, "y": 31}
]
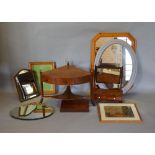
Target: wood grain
[
  {"x": 66, "y": 76},
  {"x": 69, "y": 75},
  {"x": 80, "y": 105}
]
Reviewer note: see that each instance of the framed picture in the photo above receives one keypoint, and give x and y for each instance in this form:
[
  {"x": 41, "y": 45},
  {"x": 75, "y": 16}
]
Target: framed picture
[
  {"x": 118, "y": 112},
  {"x": 38, "y": 67}
]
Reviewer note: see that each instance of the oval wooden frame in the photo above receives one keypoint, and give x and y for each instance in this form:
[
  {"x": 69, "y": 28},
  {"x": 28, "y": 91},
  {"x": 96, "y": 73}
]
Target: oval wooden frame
[{"x": 127, "y": 87}]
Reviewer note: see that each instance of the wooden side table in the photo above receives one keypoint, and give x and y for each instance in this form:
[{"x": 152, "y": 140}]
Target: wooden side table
[{"x": 68, "y": 75}]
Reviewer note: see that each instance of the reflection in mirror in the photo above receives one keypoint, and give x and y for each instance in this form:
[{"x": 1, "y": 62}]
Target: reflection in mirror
[
  {"x": 123, "y": 49},
  {"x": 103, "y": 40},
  {"x": 23, "y": 71},
  {"x": 117, "y": 55},
  {"x": 120, "y": 54}
]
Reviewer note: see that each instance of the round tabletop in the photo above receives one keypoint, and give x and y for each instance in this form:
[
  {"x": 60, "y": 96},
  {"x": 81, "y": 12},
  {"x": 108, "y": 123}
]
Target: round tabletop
[{"x": 66, "y": 75}]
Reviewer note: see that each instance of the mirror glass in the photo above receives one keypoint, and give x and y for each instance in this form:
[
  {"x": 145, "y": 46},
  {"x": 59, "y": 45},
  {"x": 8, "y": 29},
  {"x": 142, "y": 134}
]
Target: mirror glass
[
  {"x": 26, "y": 85},
  {"x": 119, "y": 53},
  {"x": 35, "y": 114},
  {"x": 119, "y": 56},
  {"x": 103, "y": 40}
]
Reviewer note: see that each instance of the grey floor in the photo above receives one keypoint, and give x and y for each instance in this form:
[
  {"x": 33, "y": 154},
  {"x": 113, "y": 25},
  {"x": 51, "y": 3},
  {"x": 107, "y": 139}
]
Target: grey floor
[{"x": 76, "y": 122}]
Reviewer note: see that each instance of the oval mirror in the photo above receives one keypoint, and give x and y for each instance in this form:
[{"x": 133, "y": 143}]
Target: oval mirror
[{"x": 119, "y": 53}]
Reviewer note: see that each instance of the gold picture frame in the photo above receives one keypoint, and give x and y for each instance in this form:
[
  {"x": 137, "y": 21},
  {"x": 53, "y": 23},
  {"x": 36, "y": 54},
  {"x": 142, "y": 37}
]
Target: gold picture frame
[
  {"x": 37, "y": 67},
  {"x": 118, "y": 112}
]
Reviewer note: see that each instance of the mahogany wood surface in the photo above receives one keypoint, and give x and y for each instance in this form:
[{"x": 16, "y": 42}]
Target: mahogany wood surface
[
  {"x": 80, "y": 105},
  {"x": 66, "y": 75},
  {"x": 110, "y": 94},
  {"x": 69, "y": 75},
  {"x": 107, "y": 78},
  {"x": 102, "y": 77},
  {"x": 68, "y": 95}
]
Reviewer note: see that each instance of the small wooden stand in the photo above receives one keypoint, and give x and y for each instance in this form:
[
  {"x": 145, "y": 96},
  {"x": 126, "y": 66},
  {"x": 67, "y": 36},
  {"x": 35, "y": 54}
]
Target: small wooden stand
[
  {"x": 69, "y": 75},
  {"x": 80, "y": 105}
]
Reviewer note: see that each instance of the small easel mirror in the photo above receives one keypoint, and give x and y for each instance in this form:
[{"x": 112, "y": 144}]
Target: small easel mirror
[{"x": 26, "y": 85}]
